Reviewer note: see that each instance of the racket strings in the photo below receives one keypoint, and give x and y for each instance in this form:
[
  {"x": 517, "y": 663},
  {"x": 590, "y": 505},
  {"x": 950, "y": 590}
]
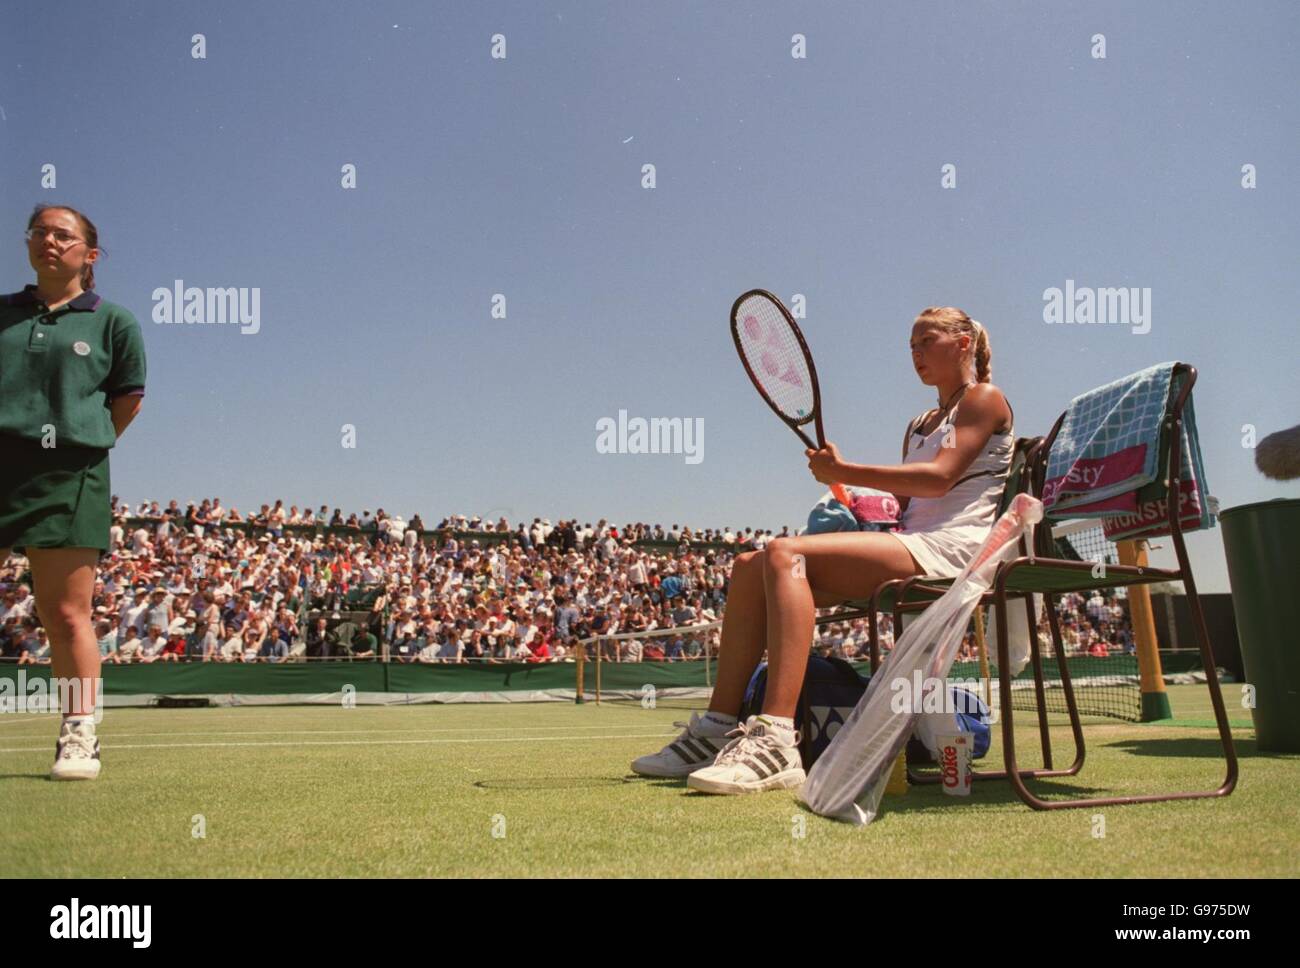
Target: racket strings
[{"x": 775, "y": 357}]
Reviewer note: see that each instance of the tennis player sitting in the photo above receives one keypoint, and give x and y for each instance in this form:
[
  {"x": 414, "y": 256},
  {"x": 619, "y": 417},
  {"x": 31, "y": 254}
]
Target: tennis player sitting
[{"x": 955, "y": 463}]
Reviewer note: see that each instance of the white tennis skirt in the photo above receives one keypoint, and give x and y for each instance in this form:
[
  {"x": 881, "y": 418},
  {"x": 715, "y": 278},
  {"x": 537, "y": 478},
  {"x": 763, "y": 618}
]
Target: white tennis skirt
[{"x": 942, "y": 554}]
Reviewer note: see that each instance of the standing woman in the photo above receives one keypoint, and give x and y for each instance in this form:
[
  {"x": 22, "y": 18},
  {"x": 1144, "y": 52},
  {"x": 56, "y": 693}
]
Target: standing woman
[{"x": 71, "y": 379}]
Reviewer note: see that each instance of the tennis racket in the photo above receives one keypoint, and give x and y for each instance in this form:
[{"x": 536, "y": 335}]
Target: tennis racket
[{"x": 778, "y": 362}]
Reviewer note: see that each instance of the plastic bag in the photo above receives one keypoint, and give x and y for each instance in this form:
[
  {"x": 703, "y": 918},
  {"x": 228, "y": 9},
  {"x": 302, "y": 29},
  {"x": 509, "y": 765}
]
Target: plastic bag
[{"x": 847, "y": 782}]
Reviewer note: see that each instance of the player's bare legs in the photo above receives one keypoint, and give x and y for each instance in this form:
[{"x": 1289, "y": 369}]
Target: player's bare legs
[
  {"x": 770, "y": 606},
  {"x": 744, "y": 633},
  {"x": 814, "y": 571},
  {"x": 767, "y": 587}
]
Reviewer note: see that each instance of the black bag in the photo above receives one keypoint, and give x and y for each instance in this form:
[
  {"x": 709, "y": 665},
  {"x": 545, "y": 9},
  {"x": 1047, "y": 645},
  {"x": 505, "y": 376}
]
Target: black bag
[{"x": 831, "y": 690}]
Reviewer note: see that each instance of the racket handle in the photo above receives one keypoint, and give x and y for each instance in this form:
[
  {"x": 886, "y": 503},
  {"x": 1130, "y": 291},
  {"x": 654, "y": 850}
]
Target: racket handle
[{"x": 841, "y": 495}]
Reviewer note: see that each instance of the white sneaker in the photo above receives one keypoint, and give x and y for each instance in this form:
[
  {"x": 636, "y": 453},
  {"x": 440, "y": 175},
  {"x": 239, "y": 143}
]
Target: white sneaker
[
  {"x": 76, "y": 755},
  {"x": 687, "y": 753},
  {"x": 756, "y": 759}
]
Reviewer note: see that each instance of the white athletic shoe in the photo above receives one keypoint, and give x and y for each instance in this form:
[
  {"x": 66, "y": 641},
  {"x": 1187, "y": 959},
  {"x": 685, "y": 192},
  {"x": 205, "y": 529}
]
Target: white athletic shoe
[
  {"x": 76, "y": 755},
  {"x": 687, "y": 753},
  {"x": 756, "y": 759}
]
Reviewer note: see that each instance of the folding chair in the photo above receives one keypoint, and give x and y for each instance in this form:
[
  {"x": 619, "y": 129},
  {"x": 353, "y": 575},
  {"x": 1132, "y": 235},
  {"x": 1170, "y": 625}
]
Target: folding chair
[{"x": 1049, "y": 576}]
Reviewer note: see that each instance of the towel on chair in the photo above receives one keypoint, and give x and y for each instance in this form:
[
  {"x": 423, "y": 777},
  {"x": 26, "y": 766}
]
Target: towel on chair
[{"x": 1111, "y": 455}]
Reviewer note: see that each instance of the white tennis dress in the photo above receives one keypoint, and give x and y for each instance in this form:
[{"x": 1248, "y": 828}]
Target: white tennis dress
[{"x": 943, "y": 533}]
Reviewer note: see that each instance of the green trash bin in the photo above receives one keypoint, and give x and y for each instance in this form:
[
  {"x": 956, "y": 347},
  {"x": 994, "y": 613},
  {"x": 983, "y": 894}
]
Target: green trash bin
[{"x": 1262, "y": 544}]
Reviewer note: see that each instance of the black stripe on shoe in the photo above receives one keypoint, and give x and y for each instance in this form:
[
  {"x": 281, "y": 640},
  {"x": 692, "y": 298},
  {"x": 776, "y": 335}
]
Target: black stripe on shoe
[
  {"x": 696, "y": 751},
  {"x": 682, "y": 752},
  {"x": 767, "y": 762}
]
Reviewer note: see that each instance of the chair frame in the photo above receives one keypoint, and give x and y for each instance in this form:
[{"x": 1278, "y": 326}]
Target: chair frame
[{"x": 902, "y": 592}]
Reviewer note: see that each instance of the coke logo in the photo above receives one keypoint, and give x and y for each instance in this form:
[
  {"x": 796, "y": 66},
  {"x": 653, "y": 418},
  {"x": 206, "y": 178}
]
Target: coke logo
[{"x": 949, "y": 766}]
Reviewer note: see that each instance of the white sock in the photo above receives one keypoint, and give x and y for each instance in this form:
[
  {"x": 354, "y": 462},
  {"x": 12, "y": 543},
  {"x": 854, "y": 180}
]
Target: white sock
[
  {"x": 782, "y": 725},
  {"x": 715, "y": 724},
  {"x": 75, "y": 720}
]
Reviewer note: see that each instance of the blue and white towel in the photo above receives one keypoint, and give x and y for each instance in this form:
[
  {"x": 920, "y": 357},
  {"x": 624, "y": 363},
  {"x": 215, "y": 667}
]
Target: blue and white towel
[{"x": 1106, "y": 460}]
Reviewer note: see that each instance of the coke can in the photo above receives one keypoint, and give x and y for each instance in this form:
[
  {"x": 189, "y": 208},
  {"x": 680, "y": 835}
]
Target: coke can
[{"x": 954, "y": 763}]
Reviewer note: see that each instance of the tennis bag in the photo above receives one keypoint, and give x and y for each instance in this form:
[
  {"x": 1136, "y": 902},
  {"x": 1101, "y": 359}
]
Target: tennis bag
[
  {"x": 970, "y": 715},
  {"x": 831, "y": 691}
]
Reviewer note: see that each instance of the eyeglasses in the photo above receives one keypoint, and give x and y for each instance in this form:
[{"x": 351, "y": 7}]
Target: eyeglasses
[{"x": 40, "y": 234}]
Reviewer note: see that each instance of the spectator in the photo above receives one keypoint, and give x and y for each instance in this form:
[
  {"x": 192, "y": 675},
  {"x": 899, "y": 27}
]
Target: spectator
[
  {"x": 19, "y": 603},
  {"x": 107, "y": 638},
  {"x": 153, "y": 644},
  {"x": 318, "y": 639},
  {"x": 273, "y": 648},
  {"x": 364, "y": 645},
  {"x": 32, "y": 643},
  {"x": 173, "y": 649}
]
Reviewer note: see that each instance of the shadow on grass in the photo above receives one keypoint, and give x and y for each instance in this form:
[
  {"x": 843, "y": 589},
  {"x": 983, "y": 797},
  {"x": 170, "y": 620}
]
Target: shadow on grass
[
  {"x": 553, "y": 783},
  {"x": 665, "y": 782},
  {"x": 998, "y": 794},
  {"x": 987, "y": 796},
  {"x": 1204, "y": 747}
]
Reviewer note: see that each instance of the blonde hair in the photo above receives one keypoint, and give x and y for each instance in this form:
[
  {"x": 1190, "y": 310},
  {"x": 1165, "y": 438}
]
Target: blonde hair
[{"x": 954, "y": 322}]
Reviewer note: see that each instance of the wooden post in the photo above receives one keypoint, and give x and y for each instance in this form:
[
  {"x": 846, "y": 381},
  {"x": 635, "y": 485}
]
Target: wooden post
[
  {"x": 982, "y": 647},
  {"x": 580, "y": 659},
  {"x": 1155, "y": 701}
]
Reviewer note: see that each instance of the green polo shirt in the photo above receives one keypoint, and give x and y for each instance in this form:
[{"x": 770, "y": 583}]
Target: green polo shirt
[{"x": 62, "y": 368}]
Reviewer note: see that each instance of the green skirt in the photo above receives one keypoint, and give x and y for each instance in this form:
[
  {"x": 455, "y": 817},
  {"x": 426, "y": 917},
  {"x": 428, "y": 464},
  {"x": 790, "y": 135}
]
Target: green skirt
[{"x": 53, "y": 497}]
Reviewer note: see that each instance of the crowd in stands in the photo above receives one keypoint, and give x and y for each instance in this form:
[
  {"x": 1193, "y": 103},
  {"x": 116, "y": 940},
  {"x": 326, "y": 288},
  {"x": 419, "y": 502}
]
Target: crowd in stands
[
  {"x": 183, "y": 585},
  {"x": 1097, "y": 625}
]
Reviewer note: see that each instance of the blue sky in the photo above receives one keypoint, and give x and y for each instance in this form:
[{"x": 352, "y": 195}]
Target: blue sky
[{"x": 818, "y": 176}]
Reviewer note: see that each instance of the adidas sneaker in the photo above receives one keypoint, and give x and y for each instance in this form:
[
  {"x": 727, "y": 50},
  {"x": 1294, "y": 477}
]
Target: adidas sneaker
[
  {"x": 687, "y": 753},
  {"x": 758, "y": 757}
]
